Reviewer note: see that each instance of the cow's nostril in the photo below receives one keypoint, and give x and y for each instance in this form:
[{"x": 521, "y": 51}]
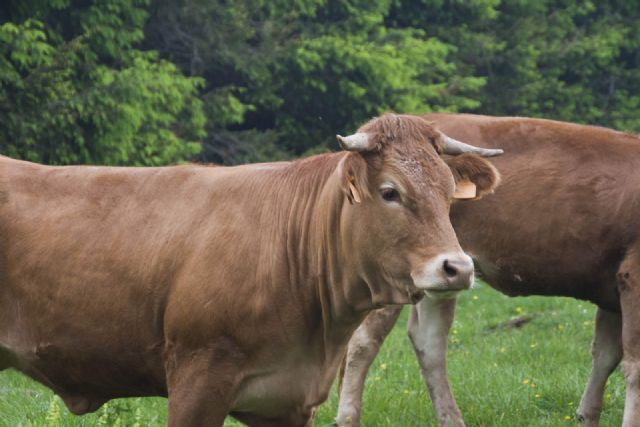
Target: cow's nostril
[{"x": 449, "y": 269}]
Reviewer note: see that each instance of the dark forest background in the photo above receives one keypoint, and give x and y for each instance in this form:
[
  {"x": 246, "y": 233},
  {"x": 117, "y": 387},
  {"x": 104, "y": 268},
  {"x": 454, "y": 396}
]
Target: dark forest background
[{"x": 141, "y": 82}]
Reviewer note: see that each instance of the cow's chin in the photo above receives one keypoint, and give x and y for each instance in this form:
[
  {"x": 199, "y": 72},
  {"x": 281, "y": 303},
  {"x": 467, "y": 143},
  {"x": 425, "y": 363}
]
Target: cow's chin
[
  {"x": 439, "y": 290},
  {"x": 408, "y": 294},
  {"x": 415, "y": 295},
  {"x": 412, "y": 293},
  {"x": 441, "y": 293}
]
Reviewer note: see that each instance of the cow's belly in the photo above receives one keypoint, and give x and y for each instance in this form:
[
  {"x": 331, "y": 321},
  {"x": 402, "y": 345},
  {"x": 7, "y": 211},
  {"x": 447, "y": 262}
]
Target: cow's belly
[
  {"x": 515, "y": 278},
  {"x": 289, "y": 389},
  {"x": 82, "y": 368},
  {"x": 82, "y": 341}
]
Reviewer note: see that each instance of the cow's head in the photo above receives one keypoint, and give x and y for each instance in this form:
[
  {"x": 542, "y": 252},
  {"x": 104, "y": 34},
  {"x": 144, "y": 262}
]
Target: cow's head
[{"x": 400, "y": 178}]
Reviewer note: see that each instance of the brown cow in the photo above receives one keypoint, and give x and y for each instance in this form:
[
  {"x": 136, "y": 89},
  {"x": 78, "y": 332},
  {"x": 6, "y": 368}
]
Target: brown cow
[
  {"x": 565, "y": 221},
  {"x": 229, "y": 290}
]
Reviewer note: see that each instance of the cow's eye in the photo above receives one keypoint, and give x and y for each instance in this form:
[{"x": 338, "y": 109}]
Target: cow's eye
[{"x": 390, "y": 194}]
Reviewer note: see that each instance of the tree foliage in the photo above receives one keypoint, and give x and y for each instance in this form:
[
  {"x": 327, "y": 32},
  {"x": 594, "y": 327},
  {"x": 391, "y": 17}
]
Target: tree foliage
[
  {"x": 76, "y": 91},
  {"x": 139, "y": 82},
  {"x": 297, "y": 73},
  {"x": 563, "y": 59}
]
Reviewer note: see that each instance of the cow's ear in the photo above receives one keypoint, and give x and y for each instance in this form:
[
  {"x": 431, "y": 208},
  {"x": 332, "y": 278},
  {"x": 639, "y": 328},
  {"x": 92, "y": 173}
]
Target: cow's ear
[
  {"x": 475, "y": 177},
  {"x": 354, "y": 178}
]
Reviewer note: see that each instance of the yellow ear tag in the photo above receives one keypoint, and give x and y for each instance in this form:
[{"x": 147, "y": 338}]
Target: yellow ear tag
[
  {"x": 465, "y": 189},
  {"x": 354, "y": 193}
]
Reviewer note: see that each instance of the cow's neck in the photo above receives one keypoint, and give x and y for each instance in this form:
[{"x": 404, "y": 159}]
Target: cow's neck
[{"x": 315, "y": 253}]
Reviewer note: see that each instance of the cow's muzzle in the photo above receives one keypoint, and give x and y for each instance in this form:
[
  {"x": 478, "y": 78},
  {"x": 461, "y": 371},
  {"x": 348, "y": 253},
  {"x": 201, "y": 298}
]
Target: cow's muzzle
[{"x": 447, "y": 274}]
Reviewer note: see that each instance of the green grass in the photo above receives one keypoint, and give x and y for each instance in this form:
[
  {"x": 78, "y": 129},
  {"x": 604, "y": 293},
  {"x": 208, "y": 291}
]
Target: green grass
[{"x": 533, "y": 376}]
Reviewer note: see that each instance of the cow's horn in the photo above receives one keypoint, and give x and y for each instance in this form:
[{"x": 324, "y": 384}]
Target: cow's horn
[
  {"x": 356, "y": 142},
  {"x": 454, "y": 147}
]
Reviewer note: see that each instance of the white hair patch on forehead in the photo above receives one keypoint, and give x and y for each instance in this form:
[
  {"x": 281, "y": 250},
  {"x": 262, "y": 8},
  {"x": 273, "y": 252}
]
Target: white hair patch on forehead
[{"x": 414, "y": 171}]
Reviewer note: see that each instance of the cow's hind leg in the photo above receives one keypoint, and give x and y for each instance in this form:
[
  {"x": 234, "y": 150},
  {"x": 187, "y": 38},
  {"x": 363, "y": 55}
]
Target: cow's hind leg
[
  {"x": 606, "y": 354},
  {"x": 429, "y": 326},
  {"x": 363, "y": 348},
  {"x": 201, "y": 384},
  {"x": 629, "y": 288}
]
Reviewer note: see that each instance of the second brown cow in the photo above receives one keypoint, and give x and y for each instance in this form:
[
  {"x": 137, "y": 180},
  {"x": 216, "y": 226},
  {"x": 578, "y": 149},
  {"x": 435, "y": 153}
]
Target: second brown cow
[{"x": 565, "y": 221}]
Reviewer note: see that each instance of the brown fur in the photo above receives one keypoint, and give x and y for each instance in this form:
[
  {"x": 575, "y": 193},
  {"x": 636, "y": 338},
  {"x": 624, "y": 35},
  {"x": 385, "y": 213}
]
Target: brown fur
[
  {"x": 391, "y": 129},
  {"x": 229, "y": 290}
]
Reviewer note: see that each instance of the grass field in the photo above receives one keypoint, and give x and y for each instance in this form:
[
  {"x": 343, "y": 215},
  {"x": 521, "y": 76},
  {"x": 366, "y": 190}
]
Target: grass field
[{"x": 533, "y": 376}]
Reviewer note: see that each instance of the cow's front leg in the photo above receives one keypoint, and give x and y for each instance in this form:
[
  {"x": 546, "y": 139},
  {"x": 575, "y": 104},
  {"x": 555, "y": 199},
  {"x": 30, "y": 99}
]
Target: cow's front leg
[
  {"x": 201, "y": 384},
  {"x": 428, "y": 329},
  {"x": 363, "y": 349},
  {"x": 606, "y": 353},
  {"x": 629, "y": 288}
]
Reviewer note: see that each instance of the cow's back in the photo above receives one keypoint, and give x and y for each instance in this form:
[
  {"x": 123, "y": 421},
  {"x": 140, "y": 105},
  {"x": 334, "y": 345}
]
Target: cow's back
[{"x": 568, "y": 205}]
